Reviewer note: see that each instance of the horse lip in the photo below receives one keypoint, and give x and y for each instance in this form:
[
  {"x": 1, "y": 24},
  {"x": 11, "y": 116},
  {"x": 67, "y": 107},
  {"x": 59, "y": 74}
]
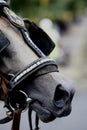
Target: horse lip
[
  {"x": 48, "y": 115},
  {"x": 43, "y": 113},
  {"x": 65, "y": 111}
]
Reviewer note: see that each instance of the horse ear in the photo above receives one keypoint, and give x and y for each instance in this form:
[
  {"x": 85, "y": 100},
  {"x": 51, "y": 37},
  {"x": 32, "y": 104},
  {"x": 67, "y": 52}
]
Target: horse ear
[
  {"x": 39, "y": 37},
  {"x": 4, "y": 42}
]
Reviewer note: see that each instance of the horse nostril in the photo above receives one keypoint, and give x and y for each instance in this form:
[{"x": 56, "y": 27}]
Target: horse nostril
[{"x": 61, "y": 96}]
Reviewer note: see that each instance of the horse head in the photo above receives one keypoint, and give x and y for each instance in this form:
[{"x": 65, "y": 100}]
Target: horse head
[{"x": 29, "y": 78}]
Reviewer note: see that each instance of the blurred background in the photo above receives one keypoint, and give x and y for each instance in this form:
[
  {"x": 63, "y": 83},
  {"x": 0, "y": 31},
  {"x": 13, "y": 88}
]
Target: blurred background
[{"x": 65, "y": 21}]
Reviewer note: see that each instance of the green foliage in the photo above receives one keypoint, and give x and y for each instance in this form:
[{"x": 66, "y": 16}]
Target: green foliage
[{"x": 37, "y": 9}]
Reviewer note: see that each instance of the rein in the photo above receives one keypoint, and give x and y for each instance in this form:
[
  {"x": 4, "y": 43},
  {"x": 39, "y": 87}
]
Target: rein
[{"x": 8, "y": 85}]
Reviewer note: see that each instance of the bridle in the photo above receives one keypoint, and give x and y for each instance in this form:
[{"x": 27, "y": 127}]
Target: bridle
[{"x": 41, "y": 66}]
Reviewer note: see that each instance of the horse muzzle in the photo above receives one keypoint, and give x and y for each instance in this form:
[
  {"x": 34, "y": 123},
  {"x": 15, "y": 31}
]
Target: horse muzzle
[{"x": 59, "y": 107}]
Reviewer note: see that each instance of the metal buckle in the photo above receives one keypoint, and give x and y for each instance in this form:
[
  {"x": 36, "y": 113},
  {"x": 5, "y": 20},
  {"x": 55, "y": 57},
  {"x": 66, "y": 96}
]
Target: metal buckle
[{"x": 20, "y": 102}]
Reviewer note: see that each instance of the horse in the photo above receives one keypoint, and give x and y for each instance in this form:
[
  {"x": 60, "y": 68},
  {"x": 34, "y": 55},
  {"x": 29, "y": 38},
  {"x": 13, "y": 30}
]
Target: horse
[{"x": 29, "y": 79}]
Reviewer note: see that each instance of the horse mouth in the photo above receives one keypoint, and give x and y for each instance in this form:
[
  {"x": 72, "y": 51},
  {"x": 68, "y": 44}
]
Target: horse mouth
[
  {"x": 43, "y": 113},
  {"x": 47, "y": 115}
]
